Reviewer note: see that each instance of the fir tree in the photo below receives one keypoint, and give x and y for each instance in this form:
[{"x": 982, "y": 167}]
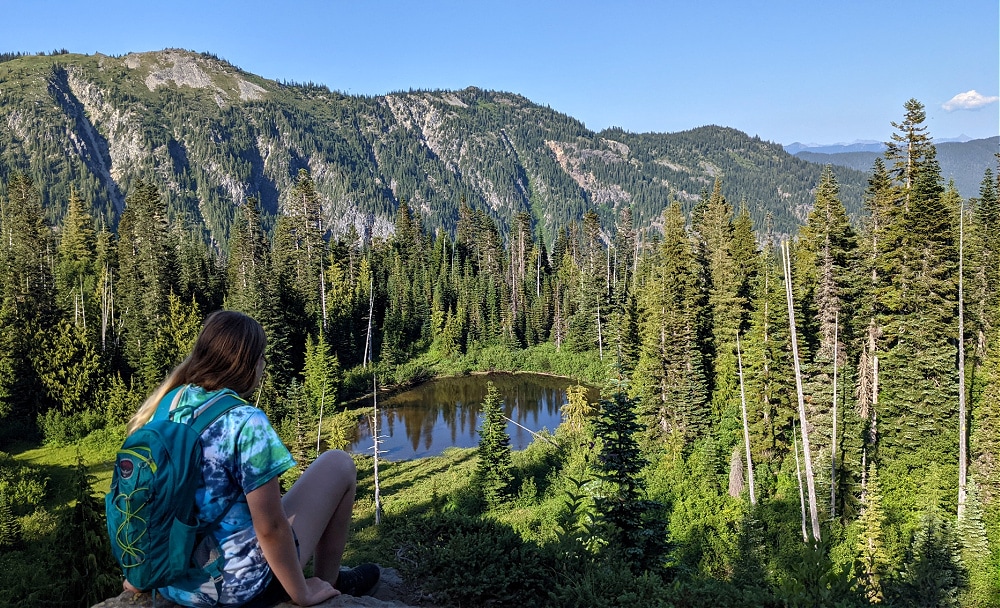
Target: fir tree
[
  {"x": 725, "y": 283},
  {"x": 321, "y": 375},
  {"x": 872, "y": 557},
  {"x": 933, "y": 574},
  {"x": 75, "y": 276},
  {"x": 147, "y": 266},
  {"x": 494, "y": 471},
  {"x": 671, "y": 385},
  {"x": 825, "y": 252},
  {"x": 27, "y": 301},
  {"x": 91, "y": 573},
  {"x": 635, "y": 525}
]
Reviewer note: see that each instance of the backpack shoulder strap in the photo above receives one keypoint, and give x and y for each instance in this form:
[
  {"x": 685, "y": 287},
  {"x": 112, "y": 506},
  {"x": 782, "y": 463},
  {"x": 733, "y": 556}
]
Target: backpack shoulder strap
[
  {"x": 214, "y": 409},
  {"x": 167, "y": 403}
]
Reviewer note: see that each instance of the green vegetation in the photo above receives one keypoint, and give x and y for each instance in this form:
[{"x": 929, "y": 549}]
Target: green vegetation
[{"x": 642, "y": 498}]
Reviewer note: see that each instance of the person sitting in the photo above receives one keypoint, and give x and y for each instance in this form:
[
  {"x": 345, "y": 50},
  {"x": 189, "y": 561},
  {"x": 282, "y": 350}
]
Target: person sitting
[{"x": 266, "y": 538}]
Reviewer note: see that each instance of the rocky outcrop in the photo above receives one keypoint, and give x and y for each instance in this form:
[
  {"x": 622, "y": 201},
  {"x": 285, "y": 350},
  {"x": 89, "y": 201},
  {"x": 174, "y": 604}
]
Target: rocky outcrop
[{"x": 392, "y": 592}]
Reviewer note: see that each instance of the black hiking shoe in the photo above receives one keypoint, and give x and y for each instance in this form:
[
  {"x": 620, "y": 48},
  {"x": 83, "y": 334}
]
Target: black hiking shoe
[{"x": 359, "y": 580}]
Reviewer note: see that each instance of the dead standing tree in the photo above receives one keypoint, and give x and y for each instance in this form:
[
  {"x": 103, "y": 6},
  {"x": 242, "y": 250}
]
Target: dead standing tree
[{"x": 803, "y": 425}]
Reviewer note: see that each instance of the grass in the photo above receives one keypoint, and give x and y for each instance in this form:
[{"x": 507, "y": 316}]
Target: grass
[{"x": 57, "y": 462}]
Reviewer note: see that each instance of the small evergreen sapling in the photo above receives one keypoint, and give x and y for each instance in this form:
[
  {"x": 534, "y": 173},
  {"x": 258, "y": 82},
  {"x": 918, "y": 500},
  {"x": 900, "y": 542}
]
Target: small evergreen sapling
[
  {"x": 636, "y": 528},
  {"x": 494, "y": 473}
]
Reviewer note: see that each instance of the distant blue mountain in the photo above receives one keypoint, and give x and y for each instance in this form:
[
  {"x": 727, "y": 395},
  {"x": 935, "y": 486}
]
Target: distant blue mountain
[
  {"x": 965, "y": 162},
  {"x": 858, "y": 146}
]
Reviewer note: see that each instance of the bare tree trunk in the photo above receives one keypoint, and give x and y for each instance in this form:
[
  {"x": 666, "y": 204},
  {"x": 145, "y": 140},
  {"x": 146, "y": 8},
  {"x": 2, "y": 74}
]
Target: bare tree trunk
[
  {"x": 963, "y": 464},
  {"x": 746, "y": 424},
  {"x": 600, "y": 338},
  {"x": 366, "y": 358},
  {"x": 322, "y": 401},
  {"x": 833, "y": 442},
  {"x": 322, "y": 292},
  {"x": 378, "y": 495},
  {"x": 798, "y": 476},
  {"x": 810, "y": 478}
]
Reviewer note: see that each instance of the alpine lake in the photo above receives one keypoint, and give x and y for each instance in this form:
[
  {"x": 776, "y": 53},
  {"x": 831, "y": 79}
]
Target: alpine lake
[{"x": 445, "y": 412}]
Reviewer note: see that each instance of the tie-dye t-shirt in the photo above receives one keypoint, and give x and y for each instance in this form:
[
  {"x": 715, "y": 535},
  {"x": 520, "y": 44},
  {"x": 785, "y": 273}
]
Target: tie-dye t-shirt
[{"x": 241, "y": 452}]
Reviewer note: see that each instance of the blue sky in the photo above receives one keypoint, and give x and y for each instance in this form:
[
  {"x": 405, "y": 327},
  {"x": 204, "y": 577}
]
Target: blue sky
[{"x": 802, "y": 70}]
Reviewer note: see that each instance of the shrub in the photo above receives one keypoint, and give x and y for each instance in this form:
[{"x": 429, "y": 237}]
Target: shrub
[
  {"x": 23, "y": 487},
  {"x": 61, "y": 429},
  {"x": 464, "y": 561}
]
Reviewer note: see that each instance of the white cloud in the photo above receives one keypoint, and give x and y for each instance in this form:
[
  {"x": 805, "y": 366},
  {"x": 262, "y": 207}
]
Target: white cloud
[{"x": 970, "y": 100}]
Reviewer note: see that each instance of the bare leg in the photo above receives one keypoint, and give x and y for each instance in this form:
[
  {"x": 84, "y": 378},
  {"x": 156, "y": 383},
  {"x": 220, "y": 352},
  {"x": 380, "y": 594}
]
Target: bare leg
[{"x": 319, "y": 508}]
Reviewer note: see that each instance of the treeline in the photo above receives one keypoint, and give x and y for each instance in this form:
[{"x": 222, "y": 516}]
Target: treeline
[{"x": 695, "y": 323}]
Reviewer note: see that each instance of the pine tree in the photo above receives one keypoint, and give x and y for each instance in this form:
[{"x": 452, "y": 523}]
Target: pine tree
[
  {"x": 71, "y": 369},
  {"x": 919, "y": 367},
  {"x": 670, "y": 382},
  {"x": 27, "y": 300},
  {"x": 725, "y": 286},
  {"x": 770, "y": 383},
  {"x": 825, "y": 252},
  {"x": 321, "y": 375},
  {"x": 494, "y": 472},
  {"x": 304, "y": 214}
]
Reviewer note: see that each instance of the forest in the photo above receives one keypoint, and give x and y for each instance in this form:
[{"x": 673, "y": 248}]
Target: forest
[{"x": 803, "y": 421}]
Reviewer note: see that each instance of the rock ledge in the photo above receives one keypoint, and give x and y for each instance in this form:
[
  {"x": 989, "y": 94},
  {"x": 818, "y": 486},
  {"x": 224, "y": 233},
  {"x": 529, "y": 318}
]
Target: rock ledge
[{"x": 391, "y": 593}]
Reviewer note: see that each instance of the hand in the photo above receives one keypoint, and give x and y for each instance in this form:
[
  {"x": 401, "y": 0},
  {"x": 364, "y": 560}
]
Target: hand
[
  {"x": 127, "y": 586},
  {"x": 317, "y": 590}
]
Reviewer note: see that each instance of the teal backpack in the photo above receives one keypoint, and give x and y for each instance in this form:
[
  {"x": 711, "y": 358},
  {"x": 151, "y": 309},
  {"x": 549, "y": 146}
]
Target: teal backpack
[{"x": 150, "y": 508}]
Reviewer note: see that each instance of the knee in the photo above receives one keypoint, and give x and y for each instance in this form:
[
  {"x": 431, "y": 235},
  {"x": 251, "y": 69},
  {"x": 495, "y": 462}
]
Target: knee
[{"x": 338, "y": 462}]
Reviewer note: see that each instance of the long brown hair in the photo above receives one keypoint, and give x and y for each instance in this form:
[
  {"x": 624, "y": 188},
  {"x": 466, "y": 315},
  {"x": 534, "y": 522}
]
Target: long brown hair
[{"x": 225, "y": 355}]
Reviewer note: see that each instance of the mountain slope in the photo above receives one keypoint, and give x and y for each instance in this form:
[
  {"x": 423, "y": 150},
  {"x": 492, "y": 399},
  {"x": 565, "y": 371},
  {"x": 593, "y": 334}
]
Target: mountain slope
[
  {"x": 964, "y": 162},
  {"x": 209, "y": 135}
]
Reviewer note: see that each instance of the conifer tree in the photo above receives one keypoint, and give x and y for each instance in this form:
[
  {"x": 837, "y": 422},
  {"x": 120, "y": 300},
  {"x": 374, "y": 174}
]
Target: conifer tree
[
  {"x": 71, "y": 369},
  {"x": 919, "y": 367},
  {"x": 825, "y": 251},
  {"x": 321, "y": 376},
  {"x": 669, "y": 379},
  {"x": 303, "y": 259},
  {"x": 933, "y": 573},
  {"x": 147, "y": 266},
  {"x": 91, "y": 573},
  {"x": 75, "y": 276},
  {"x": 770, "y": 384},
  {"x": 984, "y": 266},
  {"x": 27, "y": 299},
  {"x": 494, "y": 471},
  {"x": 872, "y": 557},
  {"x": 714, "y": 225},
  {"x": 636, "y": 529}
]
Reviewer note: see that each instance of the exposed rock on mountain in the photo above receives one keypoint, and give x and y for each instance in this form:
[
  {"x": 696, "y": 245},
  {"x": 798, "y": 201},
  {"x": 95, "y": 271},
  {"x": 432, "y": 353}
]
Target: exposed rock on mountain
[{"x": 210, "y": 135}]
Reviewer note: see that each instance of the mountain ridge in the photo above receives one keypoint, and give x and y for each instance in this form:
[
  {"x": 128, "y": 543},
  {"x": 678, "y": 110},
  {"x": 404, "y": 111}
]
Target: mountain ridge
[
  {"x": 211, "y": 135},
  {"x": 962, "y": 161}
]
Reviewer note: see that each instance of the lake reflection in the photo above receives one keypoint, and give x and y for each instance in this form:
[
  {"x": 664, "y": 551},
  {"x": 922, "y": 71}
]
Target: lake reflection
[{"x": 442, "y": 413}]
